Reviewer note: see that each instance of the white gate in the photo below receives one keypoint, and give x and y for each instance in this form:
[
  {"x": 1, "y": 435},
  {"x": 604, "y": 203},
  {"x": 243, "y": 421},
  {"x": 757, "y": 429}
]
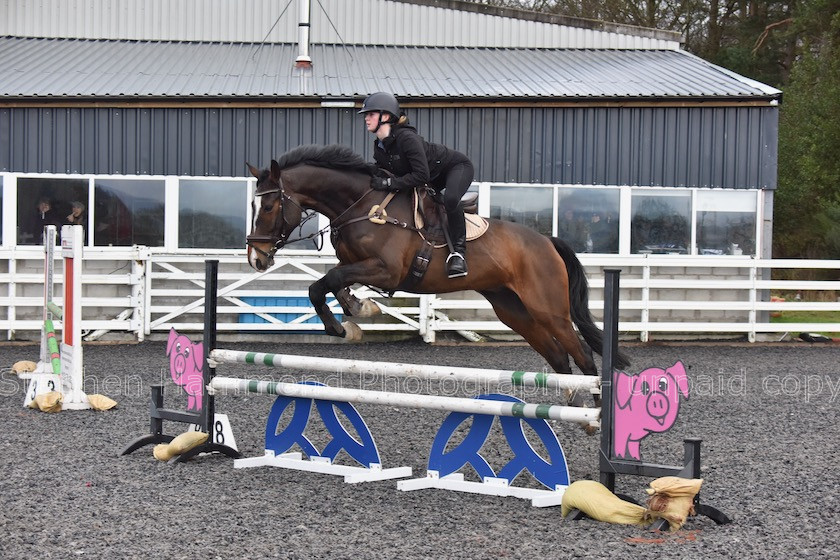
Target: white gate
[{"x": 139, "y": 292}]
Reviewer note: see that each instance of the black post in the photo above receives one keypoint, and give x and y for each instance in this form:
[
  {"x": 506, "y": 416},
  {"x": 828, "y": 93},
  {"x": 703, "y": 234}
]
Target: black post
[
  {"x": 211, "y": 290},
  {"x": 156, "y": 403},
  {"x": 208, "y": 414},
  {"x": 611, "y": 282}
]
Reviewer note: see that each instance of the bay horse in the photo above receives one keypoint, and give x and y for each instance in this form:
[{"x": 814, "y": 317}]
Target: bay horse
[{"x": 535, "y": 284}]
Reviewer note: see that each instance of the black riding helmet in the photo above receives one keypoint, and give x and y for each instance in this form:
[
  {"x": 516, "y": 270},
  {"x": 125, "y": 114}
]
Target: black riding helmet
[{"x": 381, "y": 102}]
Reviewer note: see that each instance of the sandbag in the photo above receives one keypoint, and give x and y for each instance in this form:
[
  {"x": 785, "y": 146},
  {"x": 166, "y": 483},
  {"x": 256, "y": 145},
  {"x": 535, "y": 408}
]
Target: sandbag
[
  {"x": 186, "y": 441},
  {"x": 672, "y": 498},
  {"x": 101, "y": 402},
  {"x": 24, "y": 366},
  {"x": 47, "y": 402},
  {"x": 595, "y": 500},
  {"x": 179, "y": 445},
  {"x": 162, "y": 452}
]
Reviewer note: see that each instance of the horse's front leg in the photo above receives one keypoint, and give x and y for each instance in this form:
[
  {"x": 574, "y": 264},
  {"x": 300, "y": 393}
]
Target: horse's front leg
[
  {"x": 355, "y": 307},
  {"x": 318, "y": 296},
  {"x": 370, "y": 271}
]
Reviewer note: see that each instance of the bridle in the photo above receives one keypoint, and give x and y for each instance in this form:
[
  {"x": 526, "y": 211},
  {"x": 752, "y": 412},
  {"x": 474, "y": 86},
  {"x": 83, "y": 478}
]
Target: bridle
[{"x": 277, "y": 242}]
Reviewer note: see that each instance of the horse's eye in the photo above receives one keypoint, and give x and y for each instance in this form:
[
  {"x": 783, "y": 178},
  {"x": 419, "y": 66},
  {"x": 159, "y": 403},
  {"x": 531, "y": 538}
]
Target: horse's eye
[{"x": 267, "y": 207}]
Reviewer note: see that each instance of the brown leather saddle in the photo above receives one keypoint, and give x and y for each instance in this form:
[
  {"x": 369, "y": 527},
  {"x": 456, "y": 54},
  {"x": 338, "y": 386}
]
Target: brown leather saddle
[{"x": 430, "y": 217}]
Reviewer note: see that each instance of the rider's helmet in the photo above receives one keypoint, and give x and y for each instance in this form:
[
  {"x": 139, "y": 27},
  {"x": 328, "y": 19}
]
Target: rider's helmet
[{"x": 381, "y": 102}]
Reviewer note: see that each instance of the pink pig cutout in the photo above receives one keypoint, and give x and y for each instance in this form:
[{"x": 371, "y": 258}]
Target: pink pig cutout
[
  {"x": 644, "y": 404},
  {"x": 186, "y": 364}
]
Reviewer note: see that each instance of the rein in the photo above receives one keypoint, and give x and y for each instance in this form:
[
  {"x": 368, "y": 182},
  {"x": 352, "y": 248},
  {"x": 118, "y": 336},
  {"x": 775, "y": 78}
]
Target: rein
[{"x": 377, "y": 215}]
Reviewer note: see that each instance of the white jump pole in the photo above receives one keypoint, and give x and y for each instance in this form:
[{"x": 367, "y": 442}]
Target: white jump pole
[
  {"x": 405, "y": 400},
  {"x": 428, "y": 372}
]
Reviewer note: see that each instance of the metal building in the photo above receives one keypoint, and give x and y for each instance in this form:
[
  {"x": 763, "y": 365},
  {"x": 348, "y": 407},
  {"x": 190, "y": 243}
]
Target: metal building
[
  {"x": 148, "y": 110},
  {"x": 635, "y": 117},
  {"x": 194, "y": 88}
]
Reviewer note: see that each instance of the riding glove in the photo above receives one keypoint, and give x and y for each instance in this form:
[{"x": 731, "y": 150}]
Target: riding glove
[{"x": 381, "y": 184}]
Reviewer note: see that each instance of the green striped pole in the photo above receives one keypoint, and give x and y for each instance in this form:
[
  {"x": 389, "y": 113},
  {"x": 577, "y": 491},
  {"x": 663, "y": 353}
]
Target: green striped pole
[
  {"x": 431, "y": 372},
  {"x": 55, "y": 310},
  {"x": 406, "y": 400},
  {"x": 52, "y": 346}
]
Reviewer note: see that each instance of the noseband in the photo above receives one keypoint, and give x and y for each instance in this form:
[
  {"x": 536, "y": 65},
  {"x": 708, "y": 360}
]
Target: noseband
[{"x": 277, "y": 242}]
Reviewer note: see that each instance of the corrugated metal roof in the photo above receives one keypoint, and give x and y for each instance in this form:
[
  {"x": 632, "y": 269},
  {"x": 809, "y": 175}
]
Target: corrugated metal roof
[
  {"x": 72, "y": 68},
  {"x": 372, "y": 22}
]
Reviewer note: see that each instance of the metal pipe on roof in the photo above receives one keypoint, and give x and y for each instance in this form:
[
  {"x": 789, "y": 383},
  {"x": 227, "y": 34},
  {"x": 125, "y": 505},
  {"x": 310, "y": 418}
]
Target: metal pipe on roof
[{"x": 303, "y": 60}]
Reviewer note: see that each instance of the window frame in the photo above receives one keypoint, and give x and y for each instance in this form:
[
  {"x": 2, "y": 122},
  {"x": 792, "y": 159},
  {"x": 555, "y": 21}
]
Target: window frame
[{"x": 8, "y": 232}]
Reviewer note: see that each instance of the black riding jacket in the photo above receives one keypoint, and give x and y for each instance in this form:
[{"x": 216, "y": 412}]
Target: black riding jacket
[{"x": 412, "y": 160}]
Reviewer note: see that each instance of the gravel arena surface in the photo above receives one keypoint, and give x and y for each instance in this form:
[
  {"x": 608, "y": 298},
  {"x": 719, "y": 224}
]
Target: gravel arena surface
[{"x": 767, "y": 415}]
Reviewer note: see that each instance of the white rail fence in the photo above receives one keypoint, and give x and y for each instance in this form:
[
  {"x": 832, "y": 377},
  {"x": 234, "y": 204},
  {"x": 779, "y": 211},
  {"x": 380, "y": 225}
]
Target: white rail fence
[{"x": 139, "y": 292}]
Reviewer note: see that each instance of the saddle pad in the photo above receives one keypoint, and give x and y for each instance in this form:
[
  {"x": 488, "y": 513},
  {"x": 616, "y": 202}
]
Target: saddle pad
[{"x": 476, "y": 226}]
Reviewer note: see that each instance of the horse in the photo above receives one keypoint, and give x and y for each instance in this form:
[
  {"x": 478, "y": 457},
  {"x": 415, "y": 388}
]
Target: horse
[{"x": 535, "y": 283}]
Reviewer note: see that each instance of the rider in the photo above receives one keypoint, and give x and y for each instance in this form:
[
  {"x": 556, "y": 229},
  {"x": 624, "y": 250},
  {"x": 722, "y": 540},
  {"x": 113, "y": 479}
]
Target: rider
[{"x": 414, "y": 162}]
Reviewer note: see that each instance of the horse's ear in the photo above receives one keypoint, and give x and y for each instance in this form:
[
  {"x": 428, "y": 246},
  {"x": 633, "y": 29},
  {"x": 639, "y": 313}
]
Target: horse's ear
[
  {"x": 254, "y": 171},
  {"x": 275, "y": 170}
]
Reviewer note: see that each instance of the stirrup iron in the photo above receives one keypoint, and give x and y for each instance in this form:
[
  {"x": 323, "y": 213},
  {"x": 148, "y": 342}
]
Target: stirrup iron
[{"x": 456, "y": 269}]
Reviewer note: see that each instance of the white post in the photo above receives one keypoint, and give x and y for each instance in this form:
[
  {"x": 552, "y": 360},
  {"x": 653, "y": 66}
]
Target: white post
[
  {"x": 72, "y": 242},
  {"x": 49, "y": 278},
  {"x": 138, "y": 292}
]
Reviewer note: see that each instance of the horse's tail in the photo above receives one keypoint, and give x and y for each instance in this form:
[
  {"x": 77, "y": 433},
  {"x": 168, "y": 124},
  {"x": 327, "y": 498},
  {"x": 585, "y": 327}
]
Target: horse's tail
[{"x": 579, "y": 300}]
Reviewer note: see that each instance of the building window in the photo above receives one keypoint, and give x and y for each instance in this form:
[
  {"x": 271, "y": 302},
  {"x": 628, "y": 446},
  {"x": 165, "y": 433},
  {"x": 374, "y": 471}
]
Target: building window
[
  {"x": 44, "y": 201},
  {"x": 660, "y": 222},
  {"x": 530, "y": 206},
  {"x": 588, "y": 219},
  {"x": 128, "y": 212},
  {"x": 212, "y": 214},
  {"x": 726, "y": 222}
]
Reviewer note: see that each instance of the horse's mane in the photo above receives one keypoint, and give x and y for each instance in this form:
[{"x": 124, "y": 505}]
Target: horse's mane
[{"x": 334, "y": 156}]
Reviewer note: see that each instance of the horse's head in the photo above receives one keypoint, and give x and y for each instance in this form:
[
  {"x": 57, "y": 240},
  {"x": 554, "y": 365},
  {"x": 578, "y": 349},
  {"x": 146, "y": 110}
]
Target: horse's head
[{"x": 276, "y": 216}]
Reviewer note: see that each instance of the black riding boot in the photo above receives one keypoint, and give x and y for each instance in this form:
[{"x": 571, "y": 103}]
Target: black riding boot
[{"x": 456, "y": 263}]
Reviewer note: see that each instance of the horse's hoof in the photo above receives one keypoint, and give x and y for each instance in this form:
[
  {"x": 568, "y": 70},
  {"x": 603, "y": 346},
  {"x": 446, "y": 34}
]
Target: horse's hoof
[
  {"x": 589, "y": 428},
  {"x": 369, "y": 308},
  {"x": 575, "y": 398},
  {"x": 352, "y": 332}
]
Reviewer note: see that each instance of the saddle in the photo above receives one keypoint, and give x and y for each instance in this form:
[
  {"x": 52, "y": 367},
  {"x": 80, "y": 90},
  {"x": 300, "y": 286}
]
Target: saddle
[{"x": 427, "y": 217}]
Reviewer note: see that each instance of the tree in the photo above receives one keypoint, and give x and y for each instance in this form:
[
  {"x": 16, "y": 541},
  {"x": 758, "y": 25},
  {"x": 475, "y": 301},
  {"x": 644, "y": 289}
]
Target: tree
[
  {"x": 809, "y": 134},
  {"x": 724, "y": 32}
]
